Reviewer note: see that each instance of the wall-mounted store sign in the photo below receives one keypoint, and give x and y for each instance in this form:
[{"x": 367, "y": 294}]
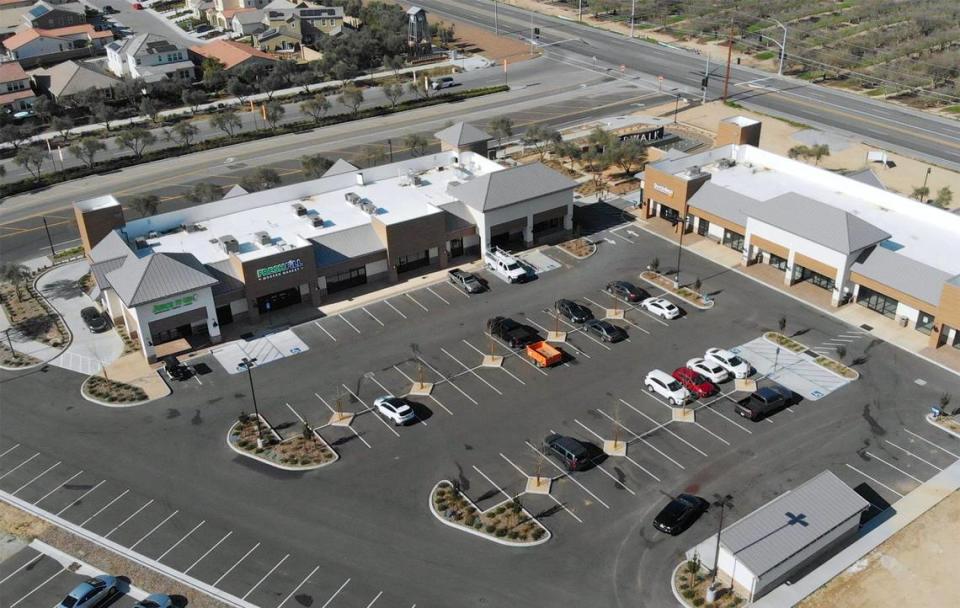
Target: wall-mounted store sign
[
  {"x": 277, "y": 270},
  {"x": 163, "y": 307},
  {"x": 663, "y": 189},
  {"x": 644, "y": 136}
]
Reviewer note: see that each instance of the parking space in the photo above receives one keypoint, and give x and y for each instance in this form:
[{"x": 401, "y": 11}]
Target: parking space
[
  {"x": 265, "y": 349},
  {"x": 796, "y": 372}
]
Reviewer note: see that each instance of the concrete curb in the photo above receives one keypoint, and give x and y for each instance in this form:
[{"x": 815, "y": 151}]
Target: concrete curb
[
  {"x": 675, "y": 294},
  {"x": 673, "y": 587},
  {"x": 807, "y": 349},
  {"x": 66, "y": 560},
  {"x": 930, "y": 420},
  {"x": 580, "y": 257},
  {"x": 277, "y": 465},
  {"x": 483, "y": 535},
  {"x": 92, "y": 399},
  {"x": 129, "y": 554}
]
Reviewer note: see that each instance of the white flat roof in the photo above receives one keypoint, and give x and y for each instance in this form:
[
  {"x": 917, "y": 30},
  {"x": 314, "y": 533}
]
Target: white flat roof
[{"x": 395, "y": 196}]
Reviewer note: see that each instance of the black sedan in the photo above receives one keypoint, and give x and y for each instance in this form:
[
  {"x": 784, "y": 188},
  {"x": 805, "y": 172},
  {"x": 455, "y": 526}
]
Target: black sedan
[
  {"x": 94, "y": 319},
  {"x": 578, "y": 313},
  {"x": 605, "y": 330},
  {"x": 680, "y": 513},
  {"x": 626, "y": 291}
]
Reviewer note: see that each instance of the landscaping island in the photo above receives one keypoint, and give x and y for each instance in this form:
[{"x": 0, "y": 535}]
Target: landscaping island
[
  {"x": 686, "y": 294},
  {"x": 825, "y": 362},
  {"x": 110, "y": 392},
  {"x": 300, "y": 451},
  {"x": 505, "y": 523}
]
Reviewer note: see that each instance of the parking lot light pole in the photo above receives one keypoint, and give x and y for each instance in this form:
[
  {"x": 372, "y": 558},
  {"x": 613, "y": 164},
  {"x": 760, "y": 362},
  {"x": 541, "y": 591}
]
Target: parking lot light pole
[
  {"x": 724, "y": 503},
  {"x": 683, "y": 228},
  {"x": 248, "y": 364}
]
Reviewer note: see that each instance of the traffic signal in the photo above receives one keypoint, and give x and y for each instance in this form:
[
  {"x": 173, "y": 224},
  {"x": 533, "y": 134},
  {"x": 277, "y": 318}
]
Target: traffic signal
[
  {"x": 536, "y": 32},
  {"x": 704, "y": 82}
]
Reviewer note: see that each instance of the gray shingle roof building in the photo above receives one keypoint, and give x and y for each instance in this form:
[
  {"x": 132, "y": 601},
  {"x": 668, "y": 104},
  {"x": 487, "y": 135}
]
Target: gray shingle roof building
[
  {"x": 156, "y": 276},
  {"x": 825, "y": 224},
  {"x": 504, "y": 188}
]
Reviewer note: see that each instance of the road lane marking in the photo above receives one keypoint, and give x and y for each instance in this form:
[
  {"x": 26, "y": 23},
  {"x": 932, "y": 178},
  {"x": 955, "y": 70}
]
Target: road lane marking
[
  {"x": 245, "y": 555},
  {"x": 566, "y": 475},
  {"x": 664, "y": 427},
  {"x": 317, "y": 323},
  {"x": 78, "y": 500},
  {"x": 352, "y": 430},
  {"x": 480, "y": 352},
  {"x": 104, "y": 507},
  {"x": 252, "y": 589},
  {"x": 8, "y": 450},
  {"x": 492, "y": 482},
  {"x": 637, "y": 464},
  {"x": 927, "y": 462},
  {"x": 439, "y": 296},
  {"x": 894, "y": 467},
  {"x": 335, "y": 594},
  {"x": 37, "y": 588},
  {"x": 472, "y": 371},
  {"x": 370, "y": 409},
  {"x": 447, "y": 380},
  {"x": 435, "y": 400},
  {"x": 389, "y": 392},
  {"x": 132, "y": 515},
  {"x": 373, "y": 601},
  {"x": 29, "y": 563},
  {"x": 364, "y": 309},
  {"x": 395, "y": 309},
  {"x": 642, "y": 438},
  {"x": 19, "y": 465},
  {"x": 209, "y": 551},
  {"x": 932, "y": 443},
  {"x": 347, "y": 321},
  {"x": 59, "y": 487},
  {"x": 412, "y": 299}
]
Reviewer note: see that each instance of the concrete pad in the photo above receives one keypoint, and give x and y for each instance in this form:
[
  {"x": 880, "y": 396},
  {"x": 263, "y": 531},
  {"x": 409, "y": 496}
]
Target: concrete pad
[
  {"x": 421, "y": 390},
  {"x": 679, "y": 414},
  {"x": 611, "y": 448},
  {"x": 538, "y": 485},
  {"x": 492, "y": 361},
  {"x": 745, "y": 385},
  {"x": 556, "y": 336},
  {"x": 341, "y": 419},
  {"x": 614, "y": 313}
]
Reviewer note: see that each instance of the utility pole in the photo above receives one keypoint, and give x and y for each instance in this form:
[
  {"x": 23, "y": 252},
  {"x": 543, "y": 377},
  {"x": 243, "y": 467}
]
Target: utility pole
[
  {"x": 633, "y": 11},
  {"x": 683, "y": 228},
  {"x": 496, "y": 17},
  {"x": 706, "y": 80},
  {"x": 726, "y": 78},
  {"x": 580, "y": 11},
  {"x": 531, "y": 32},
  {"x": 53, "y": 253}
]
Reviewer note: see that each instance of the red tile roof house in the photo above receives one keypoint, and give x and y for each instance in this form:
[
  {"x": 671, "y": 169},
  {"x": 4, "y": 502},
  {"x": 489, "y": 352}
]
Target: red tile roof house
[
  {"x": 233, "y": 55},
  {"x": 34, "y": 46},
  {"x": 15, "y": 92}
]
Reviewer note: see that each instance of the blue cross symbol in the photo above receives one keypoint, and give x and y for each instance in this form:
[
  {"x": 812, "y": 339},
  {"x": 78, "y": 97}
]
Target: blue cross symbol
[{"x": 796, "y": 519}]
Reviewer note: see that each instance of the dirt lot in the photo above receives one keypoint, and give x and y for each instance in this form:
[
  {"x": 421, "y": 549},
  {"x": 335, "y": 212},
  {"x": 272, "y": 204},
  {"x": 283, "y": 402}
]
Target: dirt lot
[{"x": 912, "y": 568}]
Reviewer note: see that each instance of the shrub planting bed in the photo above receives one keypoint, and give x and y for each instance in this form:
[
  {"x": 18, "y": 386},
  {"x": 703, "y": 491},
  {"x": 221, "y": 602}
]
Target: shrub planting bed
[
  {"x": 31, "y": 316},
  {"x": 781, "y": 340},
  {"x": 684, "y": 293},
  {"x": 507, "y": 522},
  {"x": 16, "y": 359},
  {"x": 690, "y": 580},
  {"x": 579, "y": 247},
  {"x": 825, "y": 362},
  {"x": 111, "y": 391},
  {"x": 302, "y": 450}
]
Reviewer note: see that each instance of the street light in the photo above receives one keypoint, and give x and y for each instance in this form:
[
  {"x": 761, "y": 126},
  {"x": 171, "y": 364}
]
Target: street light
[
  {"x": 248, "y": 364},
  {"x": 683, "y": 228},
  {"x": 782, "y": 45},
  {"x": 724, "y": 503}
]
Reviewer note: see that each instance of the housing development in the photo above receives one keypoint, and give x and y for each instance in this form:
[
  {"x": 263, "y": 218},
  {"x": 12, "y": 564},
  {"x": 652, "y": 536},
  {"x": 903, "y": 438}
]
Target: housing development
[{"x": 473, "y": 304}]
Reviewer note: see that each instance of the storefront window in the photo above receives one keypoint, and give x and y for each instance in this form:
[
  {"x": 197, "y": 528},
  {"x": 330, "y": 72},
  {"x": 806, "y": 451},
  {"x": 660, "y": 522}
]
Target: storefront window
[
  {"x": 669, "y": 214},
  {"x": 345, "y": 280},
  {"x": 924, "y": 323},
  {"x": 733, "y": 240},
  {"x": 778, "y": 262},
  {"x": 822, "y": 281},
  {"x": 703, "y": 227},
  {"x": 412, "y": 262},
  {"x": 877, "y": 302}
]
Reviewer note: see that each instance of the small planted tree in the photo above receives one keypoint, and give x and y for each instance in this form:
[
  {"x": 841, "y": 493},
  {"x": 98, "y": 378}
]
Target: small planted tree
[
  {"x": 62, "y": 125},
  {"x": 841, "y": 352},
  {"x": 135, "y": 139},
  {"x": 654, "y": 264},
  {"x": 920, "y": 193},
  {"x": 32, "y": 160},
  {"x": 239, "y": 89},
  {"x": 192, "y": 98},
  {"x": 149, "y": 108},
  {"x": 227, "y": 121},
  {"x": 351, "y": 97},
  {"x": 263, "y": 178},
  {"x": 18, "y": 274},
  {"x": 145, "y": 204},
  {"x": 944, "y": 197},
  {"x": 316, "y": 108},
  {"x": 394, "y": 93},
  {"x": 314, "y": 165},
  {"x": 373, "y": 155},
  {"x": 501, "y": 128},
  {"x": 86, "y": 149},
  {"x": 205, "y": 192},
  {"x": 273, "y": 112},
  {"x": 782, "y": 323},
  {"x": 183, "y": 133},
  {"x": 417, "y": 144}
]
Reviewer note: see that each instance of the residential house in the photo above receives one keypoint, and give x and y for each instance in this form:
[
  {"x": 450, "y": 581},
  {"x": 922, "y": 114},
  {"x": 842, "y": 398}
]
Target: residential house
[
  {"x": 247, "y": 21},
  {"x": 200, "y": 9},
  {"x": 5, "y": 4},
  {"x": 149, "y": 57},
  {"x": 11, "y": 20},
  {"x": 34, "y": 46},
  {"x": 70, "y": 77},
  {"x": 15, "y": 92},
  {"x": 46, "y": 16},
  {"x": 233, "y": 55},
  {"x": 219, "y": 17},
  {"x": 289, "y": 26},
  {"x": 316, "y": 20}
]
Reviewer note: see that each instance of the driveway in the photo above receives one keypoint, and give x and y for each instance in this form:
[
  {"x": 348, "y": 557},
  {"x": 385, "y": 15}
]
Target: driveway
[{"x": 88, "y": 351}]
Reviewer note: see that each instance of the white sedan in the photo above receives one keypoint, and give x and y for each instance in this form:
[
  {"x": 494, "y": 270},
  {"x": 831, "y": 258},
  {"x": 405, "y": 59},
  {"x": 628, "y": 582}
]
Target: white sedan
[
  {"x": 709, "y": 370},
  {"x": 661, "y": 307},
  {"x": 737, "y": 367},
  {"x": 395, "y": 409}
]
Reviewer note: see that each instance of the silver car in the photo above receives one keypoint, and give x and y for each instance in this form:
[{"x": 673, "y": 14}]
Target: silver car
[
  {"x": 91, "y": 592},
  {"x": 155, "y": 600}
]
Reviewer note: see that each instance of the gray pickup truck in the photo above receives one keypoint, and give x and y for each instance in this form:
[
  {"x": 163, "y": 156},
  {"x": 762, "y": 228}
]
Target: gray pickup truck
[{"x": 465, "y": 281}]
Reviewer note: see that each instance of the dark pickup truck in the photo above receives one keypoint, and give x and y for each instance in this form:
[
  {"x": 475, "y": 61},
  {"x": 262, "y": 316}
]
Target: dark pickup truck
[
  {"x": 464, "y": 280},
  {"x": 512, "y": 333},
  {"x": 764, "y": 402}
]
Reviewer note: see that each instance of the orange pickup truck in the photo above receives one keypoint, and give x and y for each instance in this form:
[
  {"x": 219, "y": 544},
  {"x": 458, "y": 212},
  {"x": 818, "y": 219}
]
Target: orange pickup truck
[{"x": 544, "y": 354}]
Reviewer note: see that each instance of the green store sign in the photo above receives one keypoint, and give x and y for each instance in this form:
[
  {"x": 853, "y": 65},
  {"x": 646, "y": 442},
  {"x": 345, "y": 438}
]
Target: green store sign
[
  {"x": 173, "y": 304},
  {"x": 288, "y": 267}
]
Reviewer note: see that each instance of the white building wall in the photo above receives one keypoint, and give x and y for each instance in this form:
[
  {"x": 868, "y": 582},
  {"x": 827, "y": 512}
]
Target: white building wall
[
  {"x": 144, "y": 315},
  {"x": 525, "y": 209},
  {"x": 906, "y": 311},
  {"x": 42, "y": 46},
  {"x": 238, "y": 307},
  {"x": 117, "y": 62}
]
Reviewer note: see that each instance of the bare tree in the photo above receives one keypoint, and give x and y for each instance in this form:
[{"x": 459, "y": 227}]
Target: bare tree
[
  {"x": 262, "y": 178},
  {"x": 314, "y": 165},
  {"x": 351, "y": 97},
  {"x": 183, "y": 133},
  {"x": 145, "y": 204},
  {"x": 273, "y": 112},
  {"x": 394, "y": 93},
  {"x": 417, "y": 144},
  {"x": 205, "y": 193}
]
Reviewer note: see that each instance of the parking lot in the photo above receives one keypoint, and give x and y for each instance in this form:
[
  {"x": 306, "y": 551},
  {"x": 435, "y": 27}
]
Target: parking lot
[{"x": 359, "y": 532}]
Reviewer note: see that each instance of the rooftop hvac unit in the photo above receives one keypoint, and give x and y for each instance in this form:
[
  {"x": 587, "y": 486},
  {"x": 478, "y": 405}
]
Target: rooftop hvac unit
[
  {"x": 229, "y": 244},
  {"x": 317, "y": 222},
  {"x": 726, "y": 163},
  {"x": 153, "y": 234},
  {"x": 352, "y": 197},
  {"x": 299, "y": 209},
  {"x": 263, "y": 237},
  {"x": 368, "y": 207},
  {"x": 417, "y": 180},
  {"x": 140, "y": 242}
]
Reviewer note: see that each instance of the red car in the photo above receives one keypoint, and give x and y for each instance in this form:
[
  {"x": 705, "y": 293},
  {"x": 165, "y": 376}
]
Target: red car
[
  {"x": 137, "y": 6},
  {"x": 694, "y": 382}
]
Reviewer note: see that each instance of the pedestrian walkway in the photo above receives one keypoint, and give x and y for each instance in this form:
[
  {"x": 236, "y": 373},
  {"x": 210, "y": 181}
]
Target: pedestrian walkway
[
  {"x": 266, "y": 349},
  {"x": 796, "y": 372},
  {"x": 540, "y": 262}
]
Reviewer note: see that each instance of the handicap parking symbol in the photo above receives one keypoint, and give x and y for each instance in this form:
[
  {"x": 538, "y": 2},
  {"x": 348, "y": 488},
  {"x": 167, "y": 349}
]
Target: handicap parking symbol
[
  {"x": 295, "y": 350},
  {"x": 816, "y": 394}
]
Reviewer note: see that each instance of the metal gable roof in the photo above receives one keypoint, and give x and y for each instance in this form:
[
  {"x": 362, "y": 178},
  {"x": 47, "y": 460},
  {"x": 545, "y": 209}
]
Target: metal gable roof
[
  {"x": 339, "y": 167},
  {"x": 343, "y": 245},
  {"x": 159, "y": 275},
  {"x": 791, "y": 522},
  {"x": 111, "y": 247},
  {"x": 818, "y": 222},
  {"x": 462, "y": 134},
  {"x": 509, "y": 186},
  {"x": 903, "y": 274},
  {"x": 724, "y": 203}
]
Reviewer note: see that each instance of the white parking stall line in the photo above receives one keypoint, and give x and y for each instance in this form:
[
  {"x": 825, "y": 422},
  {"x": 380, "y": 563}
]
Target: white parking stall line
[
  {"x": 472, "y": 371},
  {"x": 352, "y": 430},
  {"x": 565, "y": 344},
  {"x": 335, "y": 594},
  {"x": 718, "y": 437},
  {"x": 19, "y": 465},
  {"x": 395, "y": 309},
  {"x": 387, "y": 391},
  {"x": 664, "y": 426},
  {"x": 103, "y": 508},
  {"x": 626, "y": 308},
  {"x": 492, "y": 482},
  {"x": 317, "y": 323},
  {"x": 923, "y": 460},
  {"x": 37, "y": 588},
  {"x": 82, "y": 496},
  {"x": 30, "y": 564},
  {"x": 894, "y": 467},
  {"x": 652, "y": 316},
  {"x": 847, "y": 340},
  {"x": 272, "y": 570},
  {"x": 509, "y": 373},
  {"x": 942, "y": 449},
  {"x": 565, "y": 508},
  {"x": 302, "y": 583},
  {"x": 295, "y": 413},
  {"x": 347, "y": 321},
  {"x": 155, "y": 528},
  {"x": 435, "y": 400},
  {"x": 635, "y": 463},
  {"x": 368, "y": 408},
  {"x": 876, "y": 481},
  {"x": 856, "y": 336},
  {"x": 568, "y": 476},
  {"x": 598, "y": 466},
  {"x": 372, "y": 602},
  {"x": 724, "y": 416},
  {"x": 182, "y": 538},
  {"x": 8, "y": 450},
  {"x": 447, "y": 380},
  {"x": 50, "y": 468},
  {"x": 131, "y": 516},
  {"x": 442, "y": 299},
  {"x": 74, "y": 476},
  {"x": 372, "y": 316},
  {"x": 231, "y": 569},
  {"x": 414, "y": 300},
  {"x": 208, "y": 552},
  {"x": 643, "y": 438}
]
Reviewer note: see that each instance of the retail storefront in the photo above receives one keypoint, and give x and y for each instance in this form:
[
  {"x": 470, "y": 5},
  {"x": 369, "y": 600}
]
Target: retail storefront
[{"x": 277, "y": 281}]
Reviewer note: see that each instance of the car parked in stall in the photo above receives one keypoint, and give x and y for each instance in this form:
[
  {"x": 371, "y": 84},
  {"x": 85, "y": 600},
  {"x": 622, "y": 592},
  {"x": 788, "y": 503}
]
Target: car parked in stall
[
  {"x": 694, "y": 382},
  {"x": 709, "y": 370},
  {"x": 573, "y": 454},
  {"x": 661, "y": 307},
  {"x": 91, "y": 592},
  {"x": 626, "y": 291},
  {"x": 395, "y": 409},
  {"x": 605, "y": 330},
  {"x": 763, "y": 402},
  {"x": 661, "y": 383},
  {"x": 578, "y": 313},
  {"x": 729, "y": 361},
  {"x": 514, "y": 334}
]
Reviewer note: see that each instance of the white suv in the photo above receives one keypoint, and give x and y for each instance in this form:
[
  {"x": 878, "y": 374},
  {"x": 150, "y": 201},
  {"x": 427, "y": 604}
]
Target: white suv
[
  {"x": 661, "y": 383},
  {"x": 737, "y": 367}
]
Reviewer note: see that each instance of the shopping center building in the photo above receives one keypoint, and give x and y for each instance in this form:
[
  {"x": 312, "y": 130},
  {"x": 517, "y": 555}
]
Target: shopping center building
[
  {"x": 859, "y": 243},
  {"x": 186, "y": 273}
]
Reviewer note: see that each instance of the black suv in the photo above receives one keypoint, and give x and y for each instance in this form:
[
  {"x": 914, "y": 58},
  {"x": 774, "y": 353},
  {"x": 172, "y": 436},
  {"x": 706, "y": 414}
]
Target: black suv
[
  {"x": 175, "y": 369},
  {"x": 573, "y": 454},
  {"x": 512, "y": 333},
  {"x": 578, "y": 313},
  {"x": 764, "y": 402},
  {"x": 626, "y": 291},
  {"x": 94, "y": 319},
  {"x": 680, "y": 513}
]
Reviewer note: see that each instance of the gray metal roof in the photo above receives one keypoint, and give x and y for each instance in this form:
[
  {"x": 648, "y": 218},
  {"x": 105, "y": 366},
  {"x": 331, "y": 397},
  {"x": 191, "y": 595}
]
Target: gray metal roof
[
  {"x": 516, "y": 184},
  {"x": 818, "y": 222},
  {"x": 868, "y": 177},
  {"x": 773, "y": 533},
  {"x": 101, "y": 269},
  {"x": 462, "y": 134},
  {"x": 903, "y": 274},
  {"x": 723, "y": 202},
  {"x": 111, "y": 247},
  {"x": 226, "y": 276},
  {"x": 159, "y": 275},
  {"x": 339, "y": 167},
  {"x": 342, "y": 245}
]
